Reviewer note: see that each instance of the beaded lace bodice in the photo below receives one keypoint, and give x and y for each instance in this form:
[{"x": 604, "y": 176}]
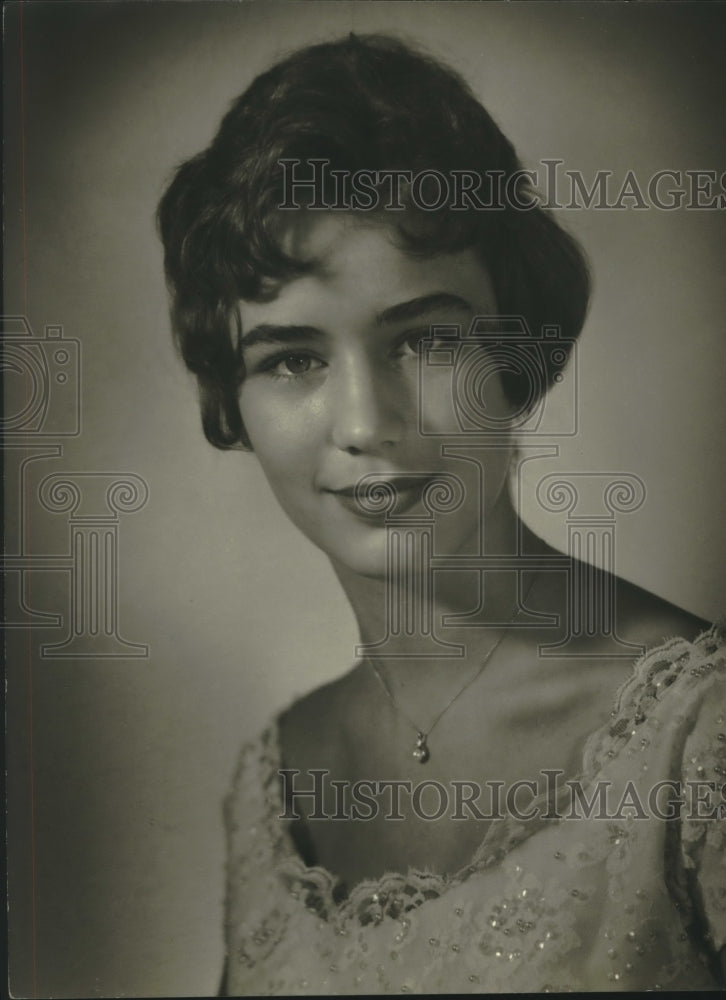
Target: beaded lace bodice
[{"x": 627, "y": 900}]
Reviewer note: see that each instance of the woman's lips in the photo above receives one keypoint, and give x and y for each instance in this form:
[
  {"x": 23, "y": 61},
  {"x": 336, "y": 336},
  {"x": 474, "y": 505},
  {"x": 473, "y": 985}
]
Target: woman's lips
[{"x": 381, "y": 498}]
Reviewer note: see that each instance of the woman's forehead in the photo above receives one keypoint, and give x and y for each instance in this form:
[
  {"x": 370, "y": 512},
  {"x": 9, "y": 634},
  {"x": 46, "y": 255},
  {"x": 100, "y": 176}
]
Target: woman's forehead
[
  {"x": 357, "y": 265},
  {"x": 314, "y": 236}
]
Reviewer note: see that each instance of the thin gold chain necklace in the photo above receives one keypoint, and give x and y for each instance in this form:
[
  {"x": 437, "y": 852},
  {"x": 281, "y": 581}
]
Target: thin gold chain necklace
[{"x": 421, "y": 751}]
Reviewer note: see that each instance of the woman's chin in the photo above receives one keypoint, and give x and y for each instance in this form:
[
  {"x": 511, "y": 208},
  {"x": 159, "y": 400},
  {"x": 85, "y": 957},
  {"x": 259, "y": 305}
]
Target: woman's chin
[{"x": 362, "y": 554}]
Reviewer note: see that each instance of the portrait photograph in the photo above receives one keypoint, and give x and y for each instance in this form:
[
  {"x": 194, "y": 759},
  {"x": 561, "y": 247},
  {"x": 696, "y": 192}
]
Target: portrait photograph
[{"x": 364, "y": 465}]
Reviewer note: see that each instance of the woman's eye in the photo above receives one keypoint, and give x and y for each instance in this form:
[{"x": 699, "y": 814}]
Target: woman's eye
[
  {"x": 413, "y": 343},
  {"x": 290, "y": 365}
]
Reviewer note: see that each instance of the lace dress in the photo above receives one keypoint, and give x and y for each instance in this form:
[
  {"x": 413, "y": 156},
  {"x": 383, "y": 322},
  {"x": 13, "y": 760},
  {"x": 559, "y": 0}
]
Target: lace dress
[{"x": 630, "y": 901}]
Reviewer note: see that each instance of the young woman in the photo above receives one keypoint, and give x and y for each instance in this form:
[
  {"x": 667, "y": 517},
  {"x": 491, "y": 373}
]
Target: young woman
[{"x": 462, "y": 811}]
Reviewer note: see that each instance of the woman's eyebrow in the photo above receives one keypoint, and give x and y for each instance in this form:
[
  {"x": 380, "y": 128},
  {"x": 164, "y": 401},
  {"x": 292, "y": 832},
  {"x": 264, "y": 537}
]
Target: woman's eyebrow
[
  {"x": 415, "y": 308},
  {"x": 269, "y": 333}
]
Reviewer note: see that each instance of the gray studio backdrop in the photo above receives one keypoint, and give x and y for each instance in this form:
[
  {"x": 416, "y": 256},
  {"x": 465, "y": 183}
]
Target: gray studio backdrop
[{"x": 118, "y": 765}]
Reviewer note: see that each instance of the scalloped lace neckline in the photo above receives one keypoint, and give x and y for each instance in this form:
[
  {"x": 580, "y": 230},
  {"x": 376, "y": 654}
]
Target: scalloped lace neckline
[{"x": 501, "y": 836}]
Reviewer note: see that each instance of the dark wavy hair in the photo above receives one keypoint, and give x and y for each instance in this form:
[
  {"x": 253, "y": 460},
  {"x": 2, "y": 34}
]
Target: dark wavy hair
[{"x": 365, "y": 102}]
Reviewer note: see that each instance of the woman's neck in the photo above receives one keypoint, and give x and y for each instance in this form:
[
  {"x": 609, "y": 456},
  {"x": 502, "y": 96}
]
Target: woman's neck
[{"x": 487, "y": 601}]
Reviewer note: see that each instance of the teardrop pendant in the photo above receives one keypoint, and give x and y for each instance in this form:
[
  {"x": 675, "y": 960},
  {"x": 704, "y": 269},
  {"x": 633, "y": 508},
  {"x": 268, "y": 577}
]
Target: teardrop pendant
[{"x": 421, "y": 752}]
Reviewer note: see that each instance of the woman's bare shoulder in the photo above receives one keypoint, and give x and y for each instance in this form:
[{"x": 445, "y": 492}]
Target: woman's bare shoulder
[
  {"x": 321, "y": 719},
  {"x": 649, "y": 620},
  {"x": 641, "y": 617}
]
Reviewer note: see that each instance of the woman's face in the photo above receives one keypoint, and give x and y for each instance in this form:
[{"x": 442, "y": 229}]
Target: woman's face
[{"x": 332, "y": 389}]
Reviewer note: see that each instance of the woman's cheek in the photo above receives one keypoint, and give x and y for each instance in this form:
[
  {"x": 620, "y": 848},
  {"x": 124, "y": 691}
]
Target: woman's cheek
[
  {"x": 435, "y": 401},
  {"x": 267, "y": 419},
  {"x": 281, "y": 437}
]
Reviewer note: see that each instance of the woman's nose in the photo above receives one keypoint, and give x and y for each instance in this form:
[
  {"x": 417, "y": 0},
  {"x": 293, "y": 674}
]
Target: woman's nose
[{"x": 367, "y": 409}]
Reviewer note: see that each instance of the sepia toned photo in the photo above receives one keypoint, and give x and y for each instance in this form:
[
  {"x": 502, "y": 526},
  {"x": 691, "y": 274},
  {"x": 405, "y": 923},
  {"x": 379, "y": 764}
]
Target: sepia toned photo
[{"x": 365, "y": 559}]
